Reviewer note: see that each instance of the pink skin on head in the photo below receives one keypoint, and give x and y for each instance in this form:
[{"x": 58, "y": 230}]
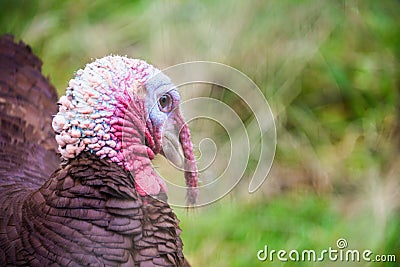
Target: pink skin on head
[
  {"x": 104, "y": 112},
  {"x": 189, "y": 161},
  {"x": 131, "y": 131}
]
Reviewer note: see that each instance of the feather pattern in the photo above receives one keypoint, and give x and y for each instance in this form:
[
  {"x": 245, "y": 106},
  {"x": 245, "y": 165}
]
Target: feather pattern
[{"x": 83, "y": 211}]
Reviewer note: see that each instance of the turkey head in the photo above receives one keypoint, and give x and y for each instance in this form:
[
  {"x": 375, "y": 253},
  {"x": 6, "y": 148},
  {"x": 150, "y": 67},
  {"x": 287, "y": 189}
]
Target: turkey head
[{"x": 126, "y": 111}]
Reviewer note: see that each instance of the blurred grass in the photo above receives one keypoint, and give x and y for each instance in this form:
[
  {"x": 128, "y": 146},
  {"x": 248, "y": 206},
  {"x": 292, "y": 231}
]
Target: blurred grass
[
  {"x": 330, "y": 71},
  {"x": 231, "y": 232}
]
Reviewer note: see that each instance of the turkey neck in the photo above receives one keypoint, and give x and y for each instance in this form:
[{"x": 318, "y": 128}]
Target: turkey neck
[{"x": 91, "y": 207}]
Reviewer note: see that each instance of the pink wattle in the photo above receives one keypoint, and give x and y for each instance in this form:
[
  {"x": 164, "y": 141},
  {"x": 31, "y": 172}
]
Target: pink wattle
[{"x": 103, "y": 113}]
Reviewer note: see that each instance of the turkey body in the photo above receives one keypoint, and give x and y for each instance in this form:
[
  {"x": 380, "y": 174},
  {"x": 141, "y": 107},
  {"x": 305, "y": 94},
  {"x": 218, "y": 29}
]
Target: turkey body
[{"x": 83, "y": 211}]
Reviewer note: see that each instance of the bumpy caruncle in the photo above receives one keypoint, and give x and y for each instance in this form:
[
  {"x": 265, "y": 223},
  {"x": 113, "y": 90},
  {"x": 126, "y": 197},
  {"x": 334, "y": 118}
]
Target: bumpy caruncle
[{"x": 89, "y": 116}]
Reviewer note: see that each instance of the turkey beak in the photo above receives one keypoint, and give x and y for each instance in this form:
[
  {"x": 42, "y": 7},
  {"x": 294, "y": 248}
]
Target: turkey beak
[{"x": 177, "y": 148}]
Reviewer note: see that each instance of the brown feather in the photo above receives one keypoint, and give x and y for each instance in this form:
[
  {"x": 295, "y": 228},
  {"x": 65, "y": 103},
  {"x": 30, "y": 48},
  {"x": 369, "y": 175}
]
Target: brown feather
[{"x": 88, "y": 212}]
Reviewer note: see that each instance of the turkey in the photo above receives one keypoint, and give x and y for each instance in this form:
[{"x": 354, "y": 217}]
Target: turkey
[{"x": 77, "y": 187}]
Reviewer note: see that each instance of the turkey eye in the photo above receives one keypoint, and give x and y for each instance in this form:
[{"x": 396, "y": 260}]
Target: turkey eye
[{"x": 165, "y": 103}]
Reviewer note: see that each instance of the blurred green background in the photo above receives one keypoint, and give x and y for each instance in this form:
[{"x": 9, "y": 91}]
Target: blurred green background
[{"x": 330, "y": 71}]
